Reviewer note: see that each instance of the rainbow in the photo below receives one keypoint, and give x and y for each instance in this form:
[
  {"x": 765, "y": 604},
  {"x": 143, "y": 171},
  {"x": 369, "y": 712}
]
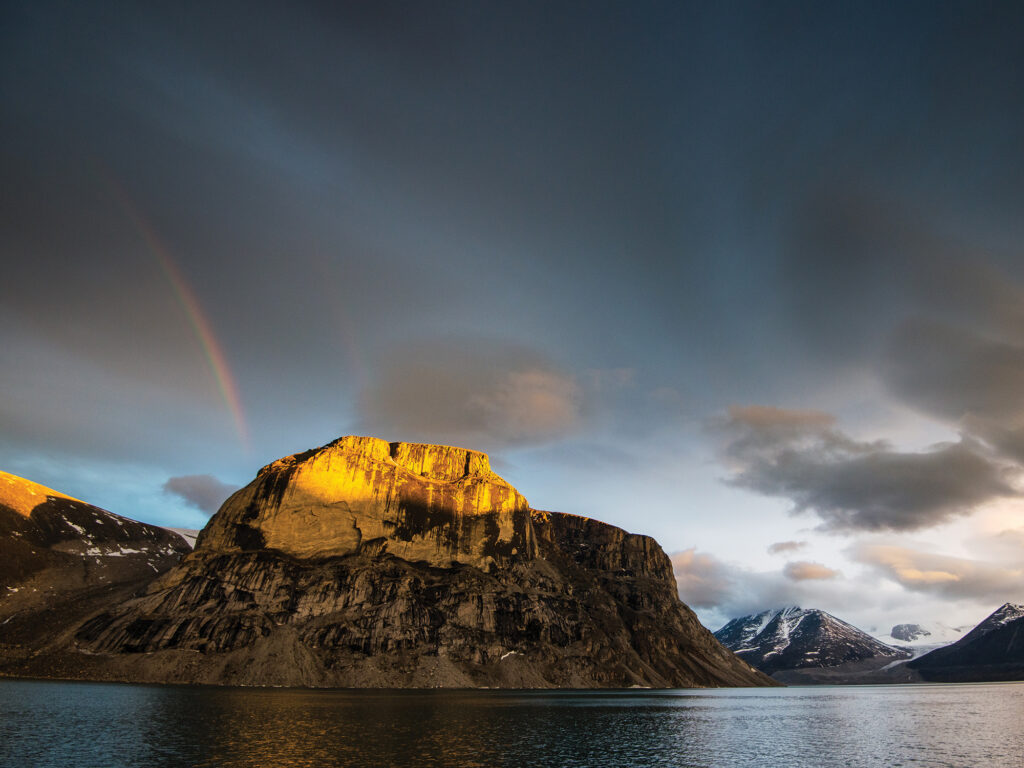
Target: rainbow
[{"x": 189, "y": 302}]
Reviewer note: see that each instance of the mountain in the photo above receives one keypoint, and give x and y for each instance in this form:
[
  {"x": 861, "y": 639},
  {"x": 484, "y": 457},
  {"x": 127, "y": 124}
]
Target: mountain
[
  {"x": 804, "y": 641},
  {"x": 992, "y": 651},
  {"x": 908, "y": 633},
  {"x": 922, "y": 638},
  {"x": 372, "y": 564},
  {"x": 61, "y": 559}
]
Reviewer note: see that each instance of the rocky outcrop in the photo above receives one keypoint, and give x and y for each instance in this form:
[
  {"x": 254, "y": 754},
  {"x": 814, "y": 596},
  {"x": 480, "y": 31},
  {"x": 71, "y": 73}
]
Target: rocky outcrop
[{"x": 364, "y": 563}]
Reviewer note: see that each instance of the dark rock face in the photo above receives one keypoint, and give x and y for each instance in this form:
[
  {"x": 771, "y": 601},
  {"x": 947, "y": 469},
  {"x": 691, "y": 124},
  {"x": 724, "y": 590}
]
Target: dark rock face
[
  {"x": 41, "y": 528},
  {"x": 578, "y": 604},
  {"x": 908, "y": 633},
  {"x": 61, "y": 559},
  {"x": 991, "y": 652},
  {"x": 795, "y": 638}
]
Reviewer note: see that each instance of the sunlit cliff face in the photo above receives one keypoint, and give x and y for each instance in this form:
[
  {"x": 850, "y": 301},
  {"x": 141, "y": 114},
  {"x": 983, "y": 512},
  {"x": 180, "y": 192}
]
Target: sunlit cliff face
[{"x": 420, "y": 502}]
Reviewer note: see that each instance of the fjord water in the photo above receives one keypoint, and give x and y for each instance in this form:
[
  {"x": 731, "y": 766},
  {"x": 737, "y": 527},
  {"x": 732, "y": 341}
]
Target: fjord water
[{"x": 93, "y": 724}]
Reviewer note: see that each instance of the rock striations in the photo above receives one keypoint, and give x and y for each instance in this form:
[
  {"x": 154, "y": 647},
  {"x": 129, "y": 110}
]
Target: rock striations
[{"x": 369, "y": 564}]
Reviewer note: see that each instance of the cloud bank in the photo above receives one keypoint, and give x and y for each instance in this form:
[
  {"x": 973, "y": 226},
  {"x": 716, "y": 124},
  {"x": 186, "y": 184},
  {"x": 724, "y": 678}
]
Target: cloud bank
[
  {"x": 852, "y": 485},
  {"x": 942, "y": 575}
]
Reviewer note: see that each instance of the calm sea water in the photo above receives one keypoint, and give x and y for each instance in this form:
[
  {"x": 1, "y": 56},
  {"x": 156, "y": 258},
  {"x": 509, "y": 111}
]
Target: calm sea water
[{"x": 107, "y": 725}]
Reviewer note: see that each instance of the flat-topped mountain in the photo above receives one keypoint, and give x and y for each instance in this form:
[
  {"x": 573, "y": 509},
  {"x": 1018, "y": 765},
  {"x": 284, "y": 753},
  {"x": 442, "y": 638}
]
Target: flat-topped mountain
[
  {"x": 365, "y": 563},
  {"x": 789, "y": 639},
  {"x": 422, "y": 503}
]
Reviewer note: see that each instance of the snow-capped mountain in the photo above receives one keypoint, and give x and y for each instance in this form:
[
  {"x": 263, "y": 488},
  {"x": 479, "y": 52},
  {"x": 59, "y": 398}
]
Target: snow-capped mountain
[
  {"x": 993, "y": 650},
  {"x": 797, "y": 638},
  {"x": 188, "y": 534},
  {"x": 58, "y": 542},
  {"x": 998, "y": 618},
  {"x": 909, "y": 632},
  {"x": 922, "y": 638}
]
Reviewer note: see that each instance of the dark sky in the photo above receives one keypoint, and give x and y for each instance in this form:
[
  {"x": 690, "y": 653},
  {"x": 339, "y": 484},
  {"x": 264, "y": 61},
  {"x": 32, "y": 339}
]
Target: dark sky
[{"x": 731, "y": 274}]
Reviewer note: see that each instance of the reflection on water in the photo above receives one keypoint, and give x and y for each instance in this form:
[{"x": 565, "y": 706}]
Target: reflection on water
[{"x": 90, "y": 724}]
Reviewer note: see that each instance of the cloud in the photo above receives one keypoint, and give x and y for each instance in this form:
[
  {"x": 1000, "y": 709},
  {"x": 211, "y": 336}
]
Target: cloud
[
  {"x": 783, "y": 547},
  {"x": 942, "y": 575},
  {"x": 204, "y": 492},
  {"x": 806, "y": 571},
  {"x": 723, "y": 591},
  {"x": 474, "y": 392},
  {"x": 958, "y": 356},
  {"x": 703, "y": 580},
  {"x": 852, "y": 485},
  {"x": 953, "y": 372},
  {"x": 1008, "y": 543}
]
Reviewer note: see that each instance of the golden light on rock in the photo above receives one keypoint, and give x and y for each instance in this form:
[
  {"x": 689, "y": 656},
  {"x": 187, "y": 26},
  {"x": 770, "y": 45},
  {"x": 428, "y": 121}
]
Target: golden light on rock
[{"x": 423, "y": 503}]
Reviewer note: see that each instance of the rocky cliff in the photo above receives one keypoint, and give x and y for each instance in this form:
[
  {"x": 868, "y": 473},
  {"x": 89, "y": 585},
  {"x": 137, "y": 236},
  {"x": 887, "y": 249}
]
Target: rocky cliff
[{"x": 365, "y": 563}]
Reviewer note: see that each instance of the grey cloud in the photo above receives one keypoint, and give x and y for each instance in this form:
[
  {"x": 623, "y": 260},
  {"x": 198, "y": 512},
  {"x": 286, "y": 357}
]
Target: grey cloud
[
  {"x": 802, "y": 570},
  {"x": 942, "y": 575},
  {"x": 1006, "y": 440},
  {"x": 963, "y": 376},
  {"x": 204, "y": 492},
  {"x": 783, "y": 547},
  {"x": 852, "y": 485},
  {"x": 473, "y": 392},
  {"x": 953, "y": 372},
  {"x": 852, "y": 246},
  {"x": 703, "y": 580}
]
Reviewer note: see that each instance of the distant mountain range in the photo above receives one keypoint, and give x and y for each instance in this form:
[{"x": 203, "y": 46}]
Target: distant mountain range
[
  {"x": 795, "y": 638},
  {"x": 799, "y": 646}
]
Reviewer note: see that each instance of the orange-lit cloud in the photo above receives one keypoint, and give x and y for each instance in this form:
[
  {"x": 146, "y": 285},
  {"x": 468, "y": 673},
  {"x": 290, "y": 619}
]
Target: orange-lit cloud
[
  {"x": 954, "y": 577},
  {"x": 806, "y": 571}
]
